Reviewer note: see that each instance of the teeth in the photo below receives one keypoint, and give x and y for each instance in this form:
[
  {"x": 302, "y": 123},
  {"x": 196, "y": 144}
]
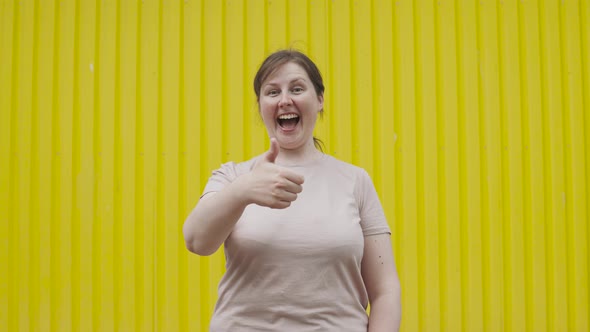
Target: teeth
[{"x": 288, "y": 116}]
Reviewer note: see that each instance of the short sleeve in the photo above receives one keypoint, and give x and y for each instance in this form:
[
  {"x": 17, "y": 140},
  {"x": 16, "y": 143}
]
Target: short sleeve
[
  {"x": 226, "y": 174},
  {"x": 220, "y": 178},
  {"x": 373, "y": 219}
]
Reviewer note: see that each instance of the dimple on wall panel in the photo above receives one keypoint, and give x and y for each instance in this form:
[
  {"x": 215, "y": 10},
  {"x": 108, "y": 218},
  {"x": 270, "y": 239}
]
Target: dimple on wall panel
[{"x": 470, "y": 116}]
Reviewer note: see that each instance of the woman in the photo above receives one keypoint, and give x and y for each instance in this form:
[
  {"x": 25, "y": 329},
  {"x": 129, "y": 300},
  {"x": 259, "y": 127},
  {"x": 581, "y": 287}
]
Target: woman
[{"x": 306, "y": 241}]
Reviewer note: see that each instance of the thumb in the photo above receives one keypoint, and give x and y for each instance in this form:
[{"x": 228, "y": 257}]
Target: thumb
[{"x": 273, "y": 152}]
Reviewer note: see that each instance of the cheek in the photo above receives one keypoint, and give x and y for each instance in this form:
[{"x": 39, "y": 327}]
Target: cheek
[{"x": 266, "y": 112}]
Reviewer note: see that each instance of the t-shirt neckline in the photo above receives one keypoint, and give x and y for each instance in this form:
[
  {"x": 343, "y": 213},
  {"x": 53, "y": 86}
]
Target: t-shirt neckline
[{"x": 307, "y": 163}]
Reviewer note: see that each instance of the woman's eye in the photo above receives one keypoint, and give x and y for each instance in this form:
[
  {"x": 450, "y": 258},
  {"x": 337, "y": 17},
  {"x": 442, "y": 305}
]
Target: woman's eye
[
  {"x": 273, "y": 92},
  {"x": 297, "y": 90}
]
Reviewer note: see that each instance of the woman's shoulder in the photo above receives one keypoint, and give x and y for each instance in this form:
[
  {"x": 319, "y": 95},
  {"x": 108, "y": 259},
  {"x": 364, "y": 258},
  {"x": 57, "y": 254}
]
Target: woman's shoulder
[
  {"x": 338, "y": 164},
  {"x": 342, "y": 169},
  {"x": 235, "y": 169}
]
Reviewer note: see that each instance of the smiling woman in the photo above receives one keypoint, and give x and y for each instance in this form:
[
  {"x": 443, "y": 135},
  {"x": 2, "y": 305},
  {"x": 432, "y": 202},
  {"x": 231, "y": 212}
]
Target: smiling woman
[
  {"x": 276, "y": 60},
  {"x": 289, "y": 106},
  {"x": 306, "y": 240}
]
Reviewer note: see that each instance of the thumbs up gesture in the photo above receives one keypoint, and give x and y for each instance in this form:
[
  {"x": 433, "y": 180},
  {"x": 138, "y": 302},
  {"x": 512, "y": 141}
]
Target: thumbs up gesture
[
  {"x": 271, "y": 185},
  {"x": 272, "y": 153}
]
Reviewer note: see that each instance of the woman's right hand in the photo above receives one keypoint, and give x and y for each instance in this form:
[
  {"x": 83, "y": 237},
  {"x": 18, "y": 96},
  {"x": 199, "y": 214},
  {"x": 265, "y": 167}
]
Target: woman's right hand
[{"x": 268, "y": 184}]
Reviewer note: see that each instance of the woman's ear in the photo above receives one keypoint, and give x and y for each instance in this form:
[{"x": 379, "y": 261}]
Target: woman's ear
[{"x": 321, "y": 101}]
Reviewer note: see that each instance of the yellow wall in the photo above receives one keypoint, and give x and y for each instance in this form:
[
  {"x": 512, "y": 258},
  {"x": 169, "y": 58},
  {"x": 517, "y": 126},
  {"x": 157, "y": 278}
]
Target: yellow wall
[{"x": 472, "y": 116}]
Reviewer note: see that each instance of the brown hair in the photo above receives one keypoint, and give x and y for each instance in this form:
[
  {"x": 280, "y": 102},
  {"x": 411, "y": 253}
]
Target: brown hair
[{"x": 279, "y": 58}]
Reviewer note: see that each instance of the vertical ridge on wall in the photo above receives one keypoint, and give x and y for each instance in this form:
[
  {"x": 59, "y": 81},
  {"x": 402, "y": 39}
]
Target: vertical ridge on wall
[
  {"x": 65, "y": 154},
  {"x": 481, "y": 129},
  {"x": 446, "y": 107},
  {"x": 547, "y": 170},
  {"x": 504, "y": 97},
  {"x": 160, "y": 300},
  {"x": 462, "y": 174},
  {"x": 247, "y": 106},
  {"x": 575, "y": 147},
  {"x": 424, "y": 301},
  {"x": 183, "y": 284},
  {"x": 139, "y": 170},
  {"x": 151, "y": 76},
  {"x": 353, "y": 118},
  {"x": 534, "y": 228},
  {"x": 107, "y": 154},
  {"x": 580, "y": 209},
  {"x": 557, "y": 256},
  {"x": 76, "y": 169},
  {"x": 82, "y": 168},
  {"x": 491, "y": 72},
  {"x": 56, "y": 303},
  {"x": 375, "y": 91},
  {"x": 469, "y": 99},
  {"x": 512, "y": 165},
  {"x": 404, "y": 67},
  {"x": 97, "y": 218},
  {"x": 568, "y": 198},
  {"x": 86, "y": 185},
  {"x": 127, "y": 183},
  {"x": 526, "y": 164},
  {"x": 383, "y": 83},
  {"x": 362, "y": 88},
  {"x": 585, "y": 53},
  {"x": 233, "y": 76},
  {"x": 34, "y": 234},
  {"x": 255, "y": 21},
  {"x": 23, "y": 154},
  {"x": 329, "y": 73},
  {"x": 117, "y": 174},
  {"x": 223, "y": 94},
  {"x": 12, "y": 275},
  {"x": 6, "y": 179},
  {"x": 204, "y": 279}
]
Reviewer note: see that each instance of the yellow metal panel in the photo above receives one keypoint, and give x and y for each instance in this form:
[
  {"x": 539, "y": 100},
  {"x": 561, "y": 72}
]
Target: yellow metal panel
[
  {"x": 471, "y": 117},
  {"x": 493, "y": 214},
  {"x": 469, "y": 99},
  {"x": 512, "y": 150},
  {"x": 406, "y": 16},
  {"x": 576, "y": 212},
  {"x": 148, "y": 77},
  {"x": 7, "y": 44},
  {"x": 534, "y": 199},
  {"x": 125, "y": 168},
  {"x": 429, "y": 284},
  {"x": 554, "y": 175},
  {"x": 84, "y": 168}
]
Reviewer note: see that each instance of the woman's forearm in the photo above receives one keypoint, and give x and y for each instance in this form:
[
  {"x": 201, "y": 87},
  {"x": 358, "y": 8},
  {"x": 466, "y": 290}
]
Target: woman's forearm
[
  {"x": 212, "y": 220},
  {"x": 385, "y": 315}
]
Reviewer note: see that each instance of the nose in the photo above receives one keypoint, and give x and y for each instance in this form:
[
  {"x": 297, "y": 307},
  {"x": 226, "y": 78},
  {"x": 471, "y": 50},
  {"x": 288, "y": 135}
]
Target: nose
[{"x": 285, "y": 100}]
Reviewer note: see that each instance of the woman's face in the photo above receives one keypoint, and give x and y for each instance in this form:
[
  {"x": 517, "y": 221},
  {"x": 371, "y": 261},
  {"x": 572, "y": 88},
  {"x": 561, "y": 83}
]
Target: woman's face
[{"x": 289, "y": 106}]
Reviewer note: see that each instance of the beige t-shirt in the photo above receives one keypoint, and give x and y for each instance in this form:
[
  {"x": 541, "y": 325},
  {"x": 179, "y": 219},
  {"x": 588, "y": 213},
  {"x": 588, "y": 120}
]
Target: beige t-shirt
[{"x": 299, "y": 268}]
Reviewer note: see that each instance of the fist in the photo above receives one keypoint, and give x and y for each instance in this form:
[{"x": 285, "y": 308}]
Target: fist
[{"x": 271, "y": 185}]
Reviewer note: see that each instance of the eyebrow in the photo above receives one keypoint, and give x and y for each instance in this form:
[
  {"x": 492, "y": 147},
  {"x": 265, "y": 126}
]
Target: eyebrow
[{"x": 290, "y": 82}]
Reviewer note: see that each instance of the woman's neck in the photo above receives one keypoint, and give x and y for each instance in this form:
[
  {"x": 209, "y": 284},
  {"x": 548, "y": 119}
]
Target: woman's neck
[{"x": 300, "y": 156}]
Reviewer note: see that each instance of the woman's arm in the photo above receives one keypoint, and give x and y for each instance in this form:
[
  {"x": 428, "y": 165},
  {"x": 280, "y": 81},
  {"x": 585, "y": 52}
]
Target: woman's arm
[
  {"x": 214, "y": 217},
  {"x": 382, "y": 283},
  {"x": 212, "y": 220}
]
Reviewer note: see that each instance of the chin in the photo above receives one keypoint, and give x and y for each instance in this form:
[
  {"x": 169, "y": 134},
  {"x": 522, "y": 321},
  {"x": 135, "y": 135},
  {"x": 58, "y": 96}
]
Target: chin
[{"x": 287, "y": 143}]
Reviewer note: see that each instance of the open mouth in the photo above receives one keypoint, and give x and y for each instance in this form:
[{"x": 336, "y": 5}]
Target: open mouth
[{"x": 288, "y": 121}]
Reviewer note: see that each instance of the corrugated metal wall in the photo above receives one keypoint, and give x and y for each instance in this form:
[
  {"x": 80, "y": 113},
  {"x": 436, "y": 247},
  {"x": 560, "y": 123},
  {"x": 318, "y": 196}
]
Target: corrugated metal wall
[{"x": 471, "y": 117}]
